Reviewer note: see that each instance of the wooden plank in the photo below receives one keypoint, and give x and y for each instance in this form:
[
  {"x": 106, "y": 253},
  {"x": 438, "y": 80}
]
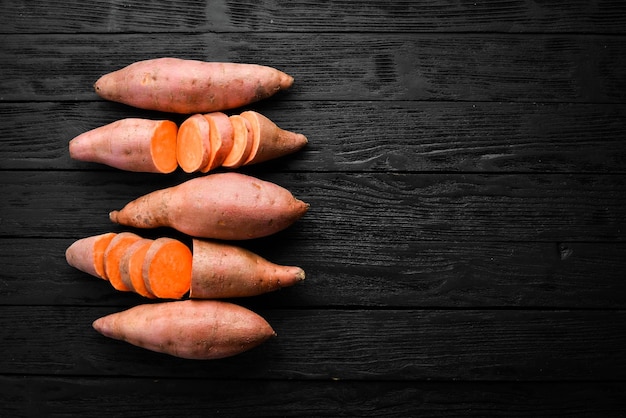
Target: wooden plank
[
  {"x": 367, "y": 136},
  {"x": 350, "y": 209},
  {"x": 451, "y": 67},
  {"x": 78, "y": 16},
  {"x": 492, "y": 345},
  {"x": 87, "y": 397},
  {"x": 403, "y": 275}
]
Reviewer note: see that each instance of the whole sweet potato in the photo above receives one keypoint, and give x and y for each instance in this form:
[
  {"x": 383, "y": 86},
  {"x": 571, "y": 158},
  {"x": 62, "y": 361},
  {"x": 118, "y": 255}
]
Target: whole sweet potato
[
  {"x": 229, "y": 206},
  {"x": 190, "y": 86},
  {"x": 190, "y": 329}
]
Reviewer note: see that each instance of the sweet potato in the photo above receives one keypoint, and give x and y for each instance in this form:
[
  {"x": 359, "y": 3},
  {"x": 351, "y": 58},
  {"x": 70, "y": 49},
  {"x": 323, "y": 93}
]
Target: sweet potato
[
  {"x": 270, "y": 141},
  {"x": 220, "y": 138},
  {"x": 242, "y": 142},
  {"x": 166, "y": 268},
  {"x": 87, "y": 254},
  {"x": 112, "y": 256},
  {"x": 131, "y": 264},
  {"x": 131, "y": 144},
  {"x": 189, "y": 329},
  {"x": 190, "y": 86},
  {"x": 222, "y": 270},
  {"x": 193, "y": 146},
  {"x": 229, "y": 206},
  {"x": 135, "y": 269}
]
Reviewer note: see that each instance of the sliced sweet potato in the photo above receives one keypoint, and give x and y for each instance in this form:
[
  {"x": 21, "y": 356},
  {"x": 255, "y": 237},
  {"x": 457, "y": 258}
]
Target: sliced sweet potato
[
  {"x": 166, "y": 268},
  {"x": 113, "y": 255}
]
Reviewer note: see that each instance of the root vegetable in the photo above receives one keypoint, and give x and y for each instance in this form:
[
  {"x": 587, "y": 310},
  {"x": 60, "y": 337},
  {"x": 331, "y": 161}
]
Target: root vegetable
[
  {"x": 193, "y": 146},
  {"x": 225, "y": 271},
  {"x": 229, "y": 206},
  {"x": 131, "y": 265},
  {"x": 87, "y": 254},
  {"x": 188, "y": 329},
  {"x": 220, "y": 138},
  {"x": 112, "y": 256},
  {"x": 242, "y": 142},
  {"x": 190, "y": 86},
  {"x": 166, "y": 268},
  {"x": 270, "y": 141},
  {"x": 132, "y": 144}
]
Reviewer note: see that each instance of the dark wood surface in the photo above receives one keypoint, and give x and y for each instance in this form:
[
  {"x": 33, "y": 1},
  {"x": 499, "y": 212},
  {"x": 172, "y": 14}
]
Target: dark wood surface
[{"x": 466, "y": 245}]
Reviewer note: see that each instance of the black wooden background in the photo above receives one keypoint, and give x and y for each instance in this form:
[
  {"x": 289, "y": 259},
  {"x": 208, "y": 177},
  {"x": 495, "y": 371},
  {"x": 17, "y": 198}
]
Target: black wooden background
[{"x": 466, "y": 245}]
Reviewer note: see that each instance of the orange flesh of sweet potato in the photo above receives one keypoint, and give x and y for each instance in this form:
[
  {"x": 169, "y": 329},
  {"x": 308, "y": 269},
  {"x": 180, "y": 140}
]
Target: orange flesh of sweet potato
[
  {"x": 221, "y": 138},
  {"x": 166, "y": 268},
  {"x": 132, "y": 144},
  {"x": 191, "y": 329},
  {"x": 228, "y": 206},
  {"x": 221, "y": 270},
  {"x": 193, "y": 148},
  {"x": 242, "y": 142},
  {"x": 270, "y": 141},
  {"x": 112, "y": 256},
  {"x": 189, "y": 86},
  {"x": 87, "y": 254},
  {"x": 163, "y": 147},
  {"x": 136, "y": 271},
  {"x": 125, "y": 262}
]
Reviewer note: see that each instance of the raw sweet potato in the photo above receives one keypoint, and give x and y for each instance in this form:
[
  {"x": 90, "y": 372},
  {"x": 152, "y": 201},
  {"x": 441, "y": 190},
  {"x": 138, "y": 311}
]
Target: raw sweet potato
[
  {"x": 166, "y": 268},
  {"x": 193, "y": 146},
  {"x": 229, "y": 206},
  {"x": 190, "y": 86},
  {"x": 220, "y": 137},
  {"x": 188, "y": 329},
  {"x": 270, "y": 141},
  {"x": 131, "y": 144},
  {"x": 242, "y": 142},
  {"x": 222, "y": 270},
  {"x": 113, "y": 255},
  {"x": 131, "y": 264},
  {"x": 87, "y": 254}
]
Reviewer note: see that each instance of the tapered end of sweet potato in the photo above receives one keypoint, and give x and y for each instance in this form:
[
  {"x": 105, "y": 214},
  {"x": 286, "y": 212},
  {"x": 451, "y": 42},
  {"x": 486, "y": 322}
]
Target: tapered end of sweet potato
[
  {"x": 286, "y": 81},
  {"x": 87, "y": 254},
  {"x": 113, "y": 216}
]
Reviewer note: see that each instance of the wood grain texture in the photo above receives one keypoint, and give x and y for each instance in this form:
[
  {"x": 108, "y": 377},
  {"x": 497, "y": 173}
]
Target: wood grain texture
[
  {"x": 79, "y": 16},
  {"x": 398, "y": 275},
  {"x": 87, "y": 396},
  {"x": 366, "y": 136},
  {"x": 324, "y": 344},
  {"x": 465, "y": 250},
  {"x": 449, "y": 67}
]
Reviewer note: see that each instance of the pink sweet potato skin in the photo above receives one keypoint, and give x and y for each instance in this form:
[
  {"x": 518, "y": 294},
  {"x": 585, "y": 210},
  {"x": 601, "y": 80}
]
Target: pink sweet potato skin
[
  {"x": 80, "y": 254},
  {"x": 126, "y": 144},
  {"x": 190, "y": 329},
  {"x": 190, "y": 86},
  {"x": 228, "y": 206},
  {"x": 270, "y": 141},
  {"x": 221, "y": 270}
]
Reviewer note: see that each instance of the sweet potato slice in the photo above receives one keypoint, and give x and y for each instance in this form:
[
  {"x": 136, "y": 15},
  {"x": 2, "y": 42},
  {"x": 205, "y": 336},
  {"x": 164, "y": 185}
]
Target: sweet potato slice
[
  {"x": 166, "y": 268},
  {"x": 193, "y": 147},
  {"x": 242, "y": 142},
  {"x": 221, "y": 138},
  {"x": 125, "y": 262},
  {"x": 113, "y": 255}
]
